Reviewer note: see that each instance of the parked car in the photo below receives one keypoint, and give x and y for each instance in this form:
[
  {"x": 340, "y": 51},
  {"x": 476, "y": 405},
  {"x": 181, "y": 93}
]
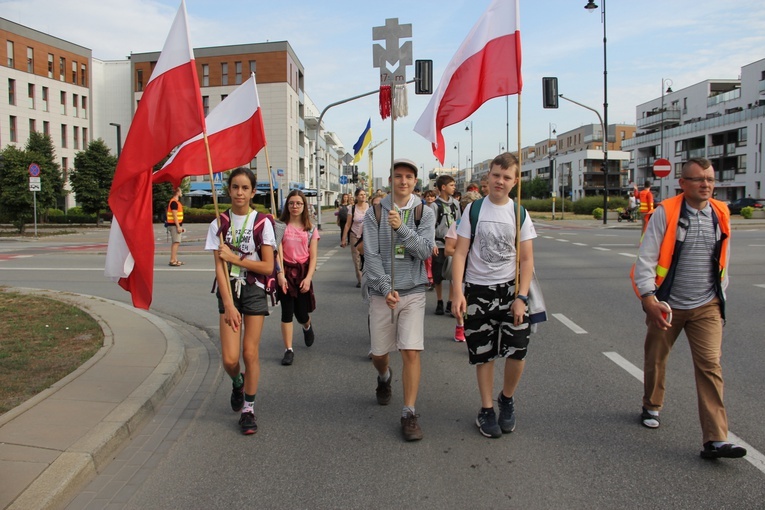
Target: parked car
[{"x": 736, "y": 205}]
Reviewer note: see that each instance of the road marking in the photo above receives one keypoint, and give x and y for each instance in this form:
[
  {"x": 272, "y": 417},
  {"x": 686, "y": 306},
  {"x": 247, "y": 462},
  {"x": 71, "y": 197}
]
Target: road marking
[
  {"x": 563, "y": 240},
  {"x": 627, "y": 244},
  {"x": 569, "y": 324},
  {"x": 630, "y": 255},
  {"x": 579, "y": 244},
  {"x": 548, "y": 237},
  {"x": 605, "y": 235},
  {"x": 568, "y": 234},
  {"x": 753, "y": 456},
  {"x": 759, "y": 285},
  {"x": 601, "y": 249}
]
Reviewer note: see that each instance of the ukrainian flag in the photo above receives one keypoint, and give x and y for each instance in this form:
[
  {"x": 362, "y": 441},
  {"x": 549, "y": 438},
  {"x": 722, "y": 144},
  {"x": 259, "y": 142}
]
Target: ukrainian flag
[{"x": 361, "y": 144}]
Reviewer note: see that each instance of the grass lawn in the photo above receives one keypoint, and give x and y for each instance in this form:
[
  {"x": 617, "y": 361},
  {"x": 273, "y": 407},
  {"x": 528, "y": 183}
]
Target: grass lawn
[{"x": 41, "y": 341}]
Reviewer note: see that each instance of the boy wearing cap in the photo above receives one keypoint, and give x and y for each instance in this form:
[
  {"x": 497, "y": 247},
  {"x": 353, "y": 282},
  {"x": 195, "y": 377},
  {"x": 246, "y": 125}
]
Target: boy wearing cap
[{"x": 409, "y": 225}]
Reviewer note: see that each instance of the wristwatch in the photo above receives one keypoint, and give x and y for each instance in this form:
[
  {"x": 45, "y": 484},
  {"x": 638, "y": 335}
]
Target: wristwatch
[{"x": 523, "y": 298}]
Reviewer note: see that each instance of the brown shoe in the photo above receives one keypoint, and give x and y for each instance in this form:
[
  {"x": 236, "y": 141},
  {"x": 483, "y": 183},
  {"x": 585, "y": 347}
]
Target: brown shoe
[
  {"x": 383, "y": 390},
  {"x": 410, "y": 428}
]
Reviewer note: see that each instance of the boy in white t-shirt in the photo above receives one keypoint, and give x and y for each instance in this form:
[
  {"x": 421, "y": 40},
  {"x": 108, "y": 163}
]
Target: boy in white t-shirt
[{"x": 498, "y": 324}]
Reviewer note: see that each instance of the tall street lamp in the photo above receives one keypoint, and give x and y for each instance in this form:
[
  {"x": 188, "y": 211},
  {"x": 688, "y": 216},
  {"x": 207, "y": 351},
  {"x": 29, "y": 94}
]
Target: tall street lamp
[
  {"x": 552, "y": 130},
  {"x": 119, "y": 137},
  {"x": 469, "y": 174},
  {"x": 661, "y": 143},
  {"x": 459, "y": 161},
  {"x": 591, "y": 6}
]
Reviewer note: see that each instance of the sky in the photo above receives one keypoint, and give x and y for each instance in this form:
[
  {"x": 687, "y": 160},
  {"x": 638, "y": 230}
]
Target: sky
[{"x": 685, "y": 41}]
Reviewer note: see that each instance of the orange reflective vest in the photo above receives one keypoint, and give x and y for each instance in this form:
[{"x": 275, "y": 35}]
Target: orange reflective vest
[
  {"x": 178, "y": 212},
  {"x": 672, "y": 208},
  {"x": 646, "y": 201}
]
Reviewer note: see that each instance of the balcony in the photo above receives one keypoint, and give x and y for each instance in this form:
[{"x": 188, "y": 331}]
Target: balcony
[
  {"x": 721, "y": 98},
  {"x": 645, "y": 162},
  {"x": 671, "y": 117},
  {"x": 730, "y": 149},
  {"x": 715, "y": 151},
  {"x": 697, "y": 153},
  {"x": 727, "y": 175}
]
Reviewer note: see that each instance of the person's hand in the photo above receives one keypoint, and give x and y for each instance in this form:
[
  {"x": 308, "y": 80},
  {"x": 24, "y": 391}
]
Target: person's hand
[
  {"x": 394, "y": 219},
  {"x": 281, "y": 281},
  {"x": 459, "y": 304},
  {"x": 232, "y": 317},
  {"x": 653, "y": 312},
  {"x": 305, "y": 285},
  {"x": 435, "y": 250},
  {"x": 343, "y": 243},
  {"x": 392, "y": 299},
  {"x": 519, "y": 310},
  {"x": 226, "y": 254}
]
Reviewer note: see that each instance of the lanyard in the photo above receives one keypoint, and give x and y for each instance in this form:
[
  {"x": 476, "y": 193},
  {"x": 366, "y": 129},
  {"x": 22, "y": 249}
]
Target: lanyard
[
  {"x": 406, "y": 216},
  {"x": 238, "y": 241}
]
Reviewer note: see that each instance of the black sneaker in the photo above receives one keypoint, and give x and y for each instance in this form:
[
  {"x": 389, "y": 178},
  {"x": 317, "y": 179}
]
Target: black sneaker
[
  {"x": 410, "y": 428},
  {"x": 289, "y": 356},
  {"x": 237, "y": 397},
  {"x": 247, "y": 423},
  {"x": 308, "y": 336},
  {"x": 487, "y": 424},
  {"x": 440, "y": 307},
  {"x": 383, "y": 390},
  {"x": 448, "y": 309},
  {"x": 506, "y": 414},
  {"x": 725, "y": 450},
  {"x": 649, "y": 420}
]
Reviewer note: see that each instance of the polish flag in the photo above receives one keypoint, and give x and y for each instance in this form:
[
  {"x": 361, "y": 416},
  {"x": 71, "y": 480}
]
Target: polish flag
[
  {"x": 169, "y": 112},
  {"x": 487, "y": 65},
  {"x": 235, "y": 134}
]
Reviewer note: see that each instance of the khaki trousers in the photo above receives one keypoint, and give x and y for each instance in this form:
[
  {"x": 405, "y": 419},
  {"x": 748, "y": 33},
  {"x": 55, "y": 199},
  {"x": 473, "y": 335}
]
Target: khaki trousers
[
  {"x": 703, "y": 328},
  {"x": 356, "y": 256}
]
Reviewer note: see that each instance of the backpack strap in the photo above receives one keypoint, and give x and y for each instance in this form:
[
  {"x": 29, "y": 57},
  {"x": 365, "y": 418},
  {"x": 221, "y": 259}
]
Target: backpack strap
[{"x": 377, "y": 208}]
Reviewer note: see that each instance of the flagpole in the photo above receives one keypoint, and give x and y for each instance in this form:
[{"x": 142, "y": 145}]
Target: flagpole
[
  {"x": 270, "y": 183},
  {"x": 393, "y": 206},
  {"x": 518, "y": 206}
]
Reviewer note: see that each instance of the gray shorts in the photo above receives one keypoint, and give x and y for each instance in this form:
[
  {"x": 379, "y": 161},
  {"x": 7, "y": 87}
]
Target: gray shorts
[
  {"x": 407, "y": 332},
  {"x": 250, "y": 301},
  {"x": 175, "y": 236}
]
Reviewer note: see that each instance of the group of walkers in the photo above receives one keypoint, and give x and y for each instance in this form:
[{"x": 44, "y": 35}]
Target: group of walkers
[{"x": 680, "y": 276}]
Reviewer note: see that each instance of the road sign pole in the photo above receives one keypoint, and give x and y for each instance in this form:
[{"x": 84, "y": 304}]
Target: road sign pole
[{"x": 34, "y": 200}]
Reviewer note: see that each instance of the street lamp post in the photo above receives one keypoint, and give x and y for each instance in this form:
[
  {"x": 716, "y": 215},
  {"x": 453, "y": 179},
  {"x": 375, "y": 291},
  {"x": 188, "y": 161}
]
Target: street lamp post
[
  {"x": 459, "y": 161},
  {"x": 119, "y": 137},
  {"x": 552, "y": 130},
  {"x": 661, "y": 143},
  {"x": 591, "y": 6},
  {"x": 469, "y": 174}
]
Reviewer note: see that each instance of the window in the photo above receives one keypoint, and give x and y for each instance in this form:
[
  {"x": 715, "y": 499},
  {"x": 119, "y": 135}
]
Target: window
[
  {"x": 205, "y": 75},
  {"x": 32, "y": 126},
  {"x": 224, "y": 73},
  {"x": 741, "y": 167},
  {"x": 63, "y": 136},
  {"x": 139, "y": 80},
  {"x": 30, "y": 60},
  {"x": 678, "y": 147},
  {"x": 678, "y": 170},
  {"x": 46, "y": 128},
  {"x": 50, "y": 65},
  {"x": 9, "y": 48},
  {"x": 65, "y": 169},
  {"x": 61, "y": 69},
  {"x": 742, "y": 137},
  {"x": 238, "y": 71},
  {"x": 45, "y": 99},
  {"x": 253, "y": 65},
  {"x": 84, "y": 138},
  {"x": 31, "y": 95},
  {"x": 75, "y": 101},
  {"x": 84, "y": 107},
  {"x": 11, "y": 91},
  {"x": 63, "y": 103},
  {"x": 206, "y": 104},
  {"x": 76, "y": 137},
  {"x": 83, "y": 75},
  {"x": 74, "y": 72},
  {"x": 13, "y": 129}
]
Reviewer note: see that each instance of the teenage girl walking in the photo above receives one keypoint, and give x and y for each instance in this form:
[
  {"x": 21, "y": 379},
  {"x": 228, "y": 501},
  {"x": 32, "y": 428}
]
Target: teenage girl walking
[
  {"x": 355, "y": 225},
  {"x": 247, "y": 253},
  {"x": 297, "y": 254}
]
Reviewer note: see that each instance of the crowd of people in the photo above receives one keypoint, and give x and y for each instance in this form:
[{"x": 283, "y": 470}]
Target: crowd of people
[{"x": 404, "y": 244}]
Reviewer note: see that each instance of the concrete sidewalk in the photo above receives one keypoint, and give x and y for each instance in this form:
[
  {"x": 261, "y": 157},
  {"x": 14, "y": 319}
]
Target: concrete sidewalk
[{"x": 52, "y": 444}]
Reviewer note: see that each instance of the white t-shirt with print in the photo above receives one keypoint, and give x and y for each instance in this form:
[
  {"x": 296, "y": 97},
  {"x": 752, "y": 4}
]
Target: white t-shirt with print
[
  {"x": 491, "y": 259},
  {"x": 247, "y": 242}
]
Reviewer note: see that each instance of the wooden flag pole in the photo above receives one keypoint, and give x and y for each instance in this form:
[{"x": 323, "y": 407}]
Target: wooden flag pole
[
  {"x": 518, "y": 206},
  {"x": 270, "y": 184}
]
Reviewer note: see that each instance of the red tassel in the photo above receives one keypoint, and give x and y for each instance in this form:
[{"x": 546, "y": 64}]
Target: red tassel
[{"x": 385, "y": 101}]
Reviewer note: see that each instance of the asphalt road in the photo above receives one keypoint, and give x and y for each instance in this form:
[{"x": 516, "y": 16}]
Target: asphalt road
[{"x": 323, "y": 442}]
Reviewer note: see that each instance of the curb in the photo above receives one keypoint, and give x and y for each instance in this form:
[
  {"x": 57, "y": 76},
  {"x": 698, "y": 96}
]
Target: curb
[{"x": 79, "y": 463}]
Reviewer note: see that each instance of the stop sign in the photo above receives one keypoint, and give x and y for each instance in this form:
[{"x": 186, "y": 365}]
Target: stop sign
[{"x": 661, "y": 167}]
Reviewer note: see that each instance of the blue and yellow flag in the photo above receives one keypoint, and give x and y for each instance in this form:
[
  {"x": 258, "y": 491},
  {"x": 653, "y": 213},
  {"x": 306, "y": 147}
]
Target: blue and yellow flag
[{"x": 361, "y": 144}]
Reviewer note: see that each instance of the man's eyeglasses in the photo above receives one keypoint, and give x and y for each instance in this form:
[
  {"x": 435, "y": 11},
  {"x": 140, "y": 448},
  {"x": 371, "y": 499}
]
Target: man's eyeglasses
[
  {"x": 710, "y": 180},
  {"x": 295, "y": 204}
]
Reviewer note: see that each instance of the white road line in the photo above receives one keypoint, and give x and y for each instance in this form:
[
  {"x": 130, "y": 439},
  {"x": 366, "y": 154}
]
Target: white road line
[
  {"x": 759, "y": 285},
  {"x": 753, "y": 456},
  {"x": 630, "y": 255},
  {"x": 563, "y": 240},
  {"x": 548, "y": 237},
  {"x": 569, "y": 324},
  {"x": 622, "y": 244},
  {"x": 22, "y": 256},
  {"x": 579, "y": 244},
  {"x": 601, "y": 249}
]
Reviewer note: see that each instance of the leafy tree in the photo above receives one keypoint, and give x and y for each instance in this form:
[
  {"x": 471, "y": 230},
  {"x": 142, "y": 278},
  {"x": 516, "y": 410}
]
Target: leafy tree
[
  {"x": 537, "y": 188},
  {"x": 40, "y": 148},
  {"x": 92, "y": 177}
]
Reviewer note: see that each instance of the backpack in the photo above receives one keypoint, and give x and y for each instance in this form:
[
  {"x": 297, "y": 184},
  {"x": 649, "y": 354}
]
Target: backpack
[
  {"x": 269, "y": 280},
  {"x": 342, "y": 215},
  {"x": 475, "y": 210},
  {"x": 442, "y": 212}
]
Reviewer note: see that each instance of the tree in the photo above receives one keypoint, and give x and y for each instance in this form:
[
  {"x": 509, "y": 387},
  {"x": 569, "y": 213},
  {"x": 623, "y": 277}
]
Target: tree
[
  {"x": 16, "y": 201},
  {"x": 92, "y": 177},
  {"x": 536, "y": 188},
  {"x": 40, "y": 149}
]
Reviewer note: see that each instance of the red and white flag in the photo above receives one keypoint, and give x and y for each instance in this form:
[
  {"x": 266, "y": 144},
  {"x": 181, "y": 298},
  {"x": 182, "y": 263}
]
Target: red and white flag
[
  {"x": 235, "y": 134},
  {"x": 169, "y": 112},
  {"x": 487, "y": 65}
]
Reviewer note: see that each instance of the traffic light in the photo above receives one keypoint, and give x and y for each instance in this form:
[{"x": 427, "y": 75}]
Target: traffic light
[
  {"x": 550, "y": 92},
  {"x": 321, "y": 169},
  {"x": 603, "y": 167},
  {"x": 423, "y": 76},
  {"x": 355, "y": 175}
]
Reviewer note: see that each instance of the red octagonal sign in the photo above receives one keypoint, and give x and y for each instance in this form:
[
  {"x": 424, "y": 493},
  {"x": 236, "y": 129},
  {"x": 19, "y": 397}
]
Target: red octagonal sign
[{"x": 661, "y": 167}]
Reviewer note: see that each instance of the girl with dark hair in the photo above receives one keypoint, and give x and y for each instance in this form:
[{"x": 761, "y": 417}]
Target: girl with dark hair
[
  {"x": 248, "y": 251},
  {"x": 297, "y": 253},
  {"x": 354, "y": 228}
]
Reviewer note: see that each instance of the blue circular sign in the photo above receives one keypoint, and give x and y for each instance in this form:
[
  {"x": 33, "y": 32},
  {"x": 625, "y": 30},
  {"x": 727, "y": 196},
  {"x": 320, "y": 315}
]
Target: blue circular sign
[{"x": 34, "y": 170}]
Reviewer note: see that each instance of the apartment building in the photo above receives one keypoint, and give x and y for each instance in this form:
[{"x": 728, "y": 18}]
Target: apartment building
[
  {"x": 48, "y": 84},
  {"x": 720, "y": 119}
]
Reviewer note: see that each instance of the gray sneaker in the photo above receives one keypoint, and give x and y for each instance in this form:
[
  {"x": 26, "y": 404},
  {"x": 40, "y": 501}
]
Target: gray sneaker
[
  {"x": 410, "y": 428},
  {"x": 506, "y": 414},
  {"x": 487, "y": 424}
]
